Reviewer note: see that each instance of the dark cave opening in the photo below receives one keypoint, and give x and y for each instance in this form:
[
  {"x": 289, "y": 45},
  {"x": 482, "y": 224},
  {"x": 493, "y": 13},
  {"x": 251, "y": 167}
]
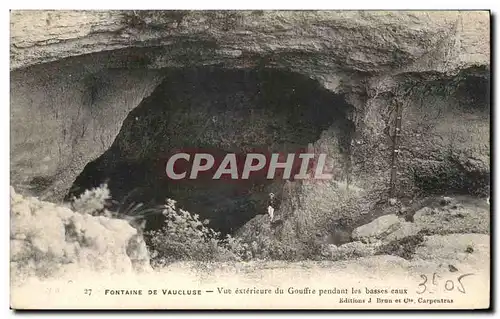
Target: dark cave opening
[{"x": 218, "y": 111}]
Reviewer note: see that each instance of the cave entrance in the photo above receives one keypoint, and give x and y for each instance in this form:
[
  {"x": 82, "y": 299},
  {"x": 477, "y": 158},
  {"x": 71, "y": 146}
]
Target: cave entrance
[{"x": 223, "y": 111}]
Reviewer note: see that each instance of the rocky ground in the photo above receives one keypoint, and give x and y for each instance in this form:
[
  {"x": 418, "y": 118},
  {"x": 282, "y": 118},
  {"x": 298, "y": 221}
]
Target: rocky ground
[{"x": 67, "y": 250}]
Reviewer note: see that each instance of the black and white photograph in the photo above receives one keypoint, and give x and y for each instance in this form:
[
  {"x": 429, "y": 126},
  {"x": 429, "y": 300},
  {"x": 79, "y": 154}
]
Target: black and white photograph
[{"x": 250, "y": 159}]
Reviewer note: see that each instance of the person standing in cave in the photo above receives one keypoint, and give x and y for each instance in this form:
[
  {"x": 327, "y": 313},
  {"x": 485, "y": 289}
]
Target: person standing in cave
[{"x": 271, "y": 206}]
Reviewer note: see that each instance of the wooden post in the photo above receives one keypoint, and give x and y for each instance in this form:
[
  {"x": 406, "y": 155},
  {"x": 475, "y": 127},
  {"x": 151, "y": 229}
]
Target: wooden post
[{"x": 395, "y": 148}]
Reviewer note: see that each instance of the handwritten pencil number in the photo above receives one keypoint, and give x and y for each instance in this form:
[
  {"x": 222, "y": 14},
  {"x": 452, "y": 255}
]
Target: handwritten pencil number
[
  {"x": 461, "y": 288},
  {"x": 449, "y": 284},
  {"x": 87, "y": 291},
  {"x": 424, "y": 287},
  {"x": 434, "y": 277}
]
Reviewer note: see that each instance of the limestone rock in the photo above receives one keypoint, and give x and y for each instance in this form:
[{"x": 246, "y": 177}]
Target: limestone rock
[
  {"x": 406, "y": 229},
  {"x": 120, "y": 53},
  {"x": 48, "y": 240},
  {"x": 43, "y": 36},
  {"x": 377, "y": 229},
  {"x": 138, "y": 253},
  {"x": 446, "y": 201},
  {"x": 77, "y": 75}
]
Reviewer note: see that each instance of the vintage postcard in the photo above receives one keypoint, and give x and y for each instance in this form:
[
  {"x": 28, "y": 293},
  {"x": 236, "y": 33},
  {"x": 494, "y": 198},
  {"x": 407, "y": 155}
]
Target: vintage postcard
[{"x": 166, "y": 159}]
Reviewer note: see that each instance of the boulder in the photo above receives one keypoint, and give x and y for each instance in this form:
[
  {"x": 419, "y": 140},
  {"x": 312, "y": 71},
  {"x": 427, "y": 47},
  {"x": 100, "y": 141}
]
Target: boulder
[
  {"x": 48, "y": 240},
  {"x": 406, "y": 229},
  {"x": 377, "y": 229},
  {"x": 446, "y": 200}
]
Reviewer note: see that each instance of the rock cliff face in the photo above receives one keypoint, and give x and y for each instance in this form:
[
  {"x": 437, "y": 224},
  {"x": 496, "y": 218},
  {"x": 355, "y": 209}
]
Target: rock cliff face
[
  {"x": 317, "y": 42},
  {"x": 76, "y": 76}
]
